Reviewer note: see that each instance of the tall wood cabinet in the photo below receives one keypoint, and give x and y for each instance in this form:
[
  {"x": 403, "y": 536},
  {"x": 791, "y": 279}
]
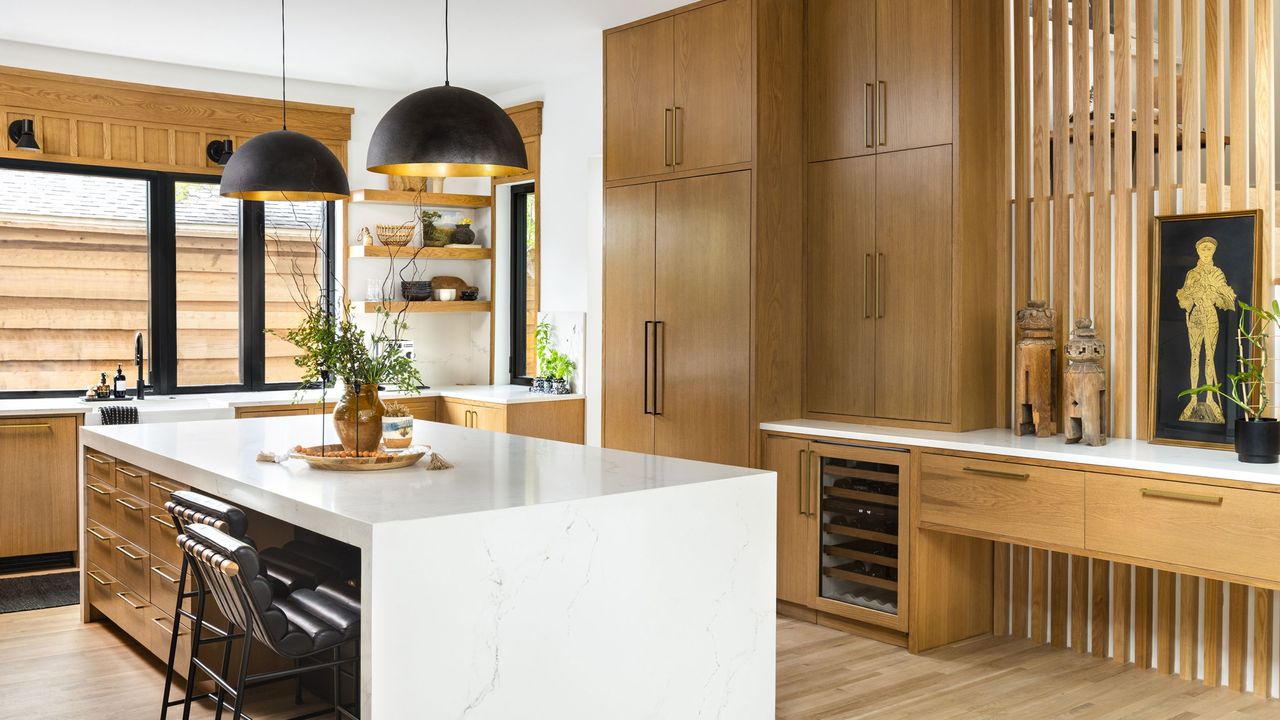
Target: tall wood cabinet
[
  {"x": 704, "y": 164},
  {"x": 905, "y": 231}
]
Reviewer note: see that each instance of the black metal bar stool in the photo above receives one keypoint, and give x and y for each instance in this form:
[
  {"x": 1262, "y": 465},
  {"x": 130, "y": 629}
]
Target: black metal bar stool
[{"x": 303, "y": 624}]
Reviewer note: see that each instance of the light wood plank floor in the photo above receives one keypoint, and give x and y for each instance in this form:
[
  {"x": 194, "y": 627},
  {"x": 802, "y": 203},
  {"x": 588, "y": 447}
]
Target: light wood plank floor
[{"x": 52, "y": 666}]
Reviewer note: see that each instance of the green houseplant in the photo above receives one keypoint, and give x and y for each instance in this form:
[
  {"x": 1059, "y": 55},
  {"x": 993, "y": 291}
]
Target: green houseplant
[
  {"x": 1257, "y": 438},
  {"x": 554, "y": 367}
]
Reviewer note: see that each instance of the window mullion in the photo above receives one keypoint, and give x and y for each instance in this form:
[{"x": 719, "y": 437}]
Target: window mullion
[
  {"x": 162, "y": 275},
  {"x": 252, "y": 295}
]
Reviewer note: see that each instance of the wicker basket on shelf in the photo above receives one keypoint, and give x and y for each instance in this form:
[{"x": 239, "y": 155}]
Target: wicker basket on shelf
[{"x": 395, "y": 235}]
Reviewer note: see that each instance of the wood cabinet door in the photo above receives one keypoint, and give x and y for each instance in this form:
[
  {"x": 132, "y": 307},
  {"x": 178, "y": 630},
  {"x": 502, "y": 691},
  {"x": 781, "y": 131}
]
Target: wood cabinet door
[
  {"x": 638, "y": 105},
  {"x": 840, "y": 78},
  {"x": 713, "y": 85},
  {"x": 914, "y": 72},
  {"x": 629, "y": 217},
  {"x": 455, "y": 413},
  {"x": 840, "y": 299},
  {"x": 797, "y": 519},
  {"x": 914, "y": 359},
  {"x": 703, "y": 303},
  {"x": 38, "y": 508},
  {"x": 485, "y": 417}
]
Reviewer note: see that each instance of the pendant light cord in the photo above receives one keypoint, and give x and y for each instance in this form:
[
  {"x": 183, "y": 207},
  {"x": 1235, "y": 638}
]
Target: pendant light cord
[
  {"x": 446, "y": 43},
  {"x": 284, "y": 107}
]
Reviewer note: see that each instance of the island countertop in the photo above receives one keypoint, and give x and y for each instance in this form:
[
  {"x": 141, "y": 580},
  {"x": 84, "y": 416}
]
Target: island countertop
[{"x": 491, "y": 471}]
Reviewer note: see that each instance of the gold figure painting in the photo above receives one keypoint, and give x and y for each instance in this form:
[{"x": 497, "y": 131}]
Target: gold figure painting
[
  {"x": 1202, "y": 267},
  {"x": 1203, "y": 295}
]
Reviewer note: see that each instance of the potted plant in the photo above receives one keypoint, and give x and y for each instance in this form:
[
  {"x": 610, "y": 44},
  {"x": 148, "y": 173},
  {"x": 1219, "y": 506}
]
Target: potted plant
[
  {"x": 559, "y": 369},
  {"x": 397, "y": 426},
  {"x": 1257, "y": 437},
  {"x": 542, "y": 350}
]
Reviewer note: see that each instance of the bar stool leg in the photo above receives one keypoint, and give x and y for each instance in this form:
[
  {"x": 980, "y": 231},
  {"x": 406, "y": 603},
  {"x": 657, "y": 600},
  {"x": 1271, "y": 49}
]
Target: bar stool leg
[
  {"x": 173, "y": 642},
  {"x": 238, "y": 712},
  {"x": 337, "y": 684},
  {"x": 195, "y": 643},
  {"x": 297, "y": 684}
]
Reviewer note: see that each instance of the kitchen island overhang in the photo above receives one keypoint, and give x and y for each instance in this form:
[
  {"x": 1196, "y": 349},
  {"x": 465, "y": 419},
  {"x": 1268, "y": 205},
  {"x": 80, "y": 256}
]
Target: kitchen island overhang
[{"x": 534, "y": 579}]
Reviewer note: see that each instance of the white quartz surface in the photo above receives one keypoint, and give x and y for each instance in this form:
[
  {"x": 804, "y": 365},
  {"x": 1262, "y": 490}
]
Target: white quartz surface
[
  {"x": 492, "y": 471},
  {"x": 1117, "y": 453}
]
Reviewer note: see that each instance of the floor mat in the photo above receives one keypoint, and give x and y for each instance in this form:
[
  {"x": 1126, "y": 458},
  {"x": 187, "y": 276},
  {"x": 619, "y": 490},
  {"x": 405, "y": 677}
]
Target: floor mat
[{"x": 36, "y": 592}]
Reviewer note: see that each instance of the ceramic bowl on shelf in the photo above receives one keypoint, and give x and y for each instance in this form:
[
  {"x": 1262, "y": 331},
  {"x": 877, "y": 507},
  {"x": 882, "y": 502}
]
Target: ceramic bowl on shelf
[
  {"x": 445, "y": 294},
  {"x": 414, "y": 290},
  {"x": 471, "y": 294}
]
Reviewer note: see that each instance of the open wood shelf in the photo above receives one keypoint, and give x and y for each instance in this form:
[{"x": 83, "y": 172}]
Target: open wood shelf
[
  {"x": 421, "y": 253},
  {"x": 847, "y": 494},
  {"x": 429, "y": 306},
  {"x": 844, "y": 573},
  {"x": 859, "y": 473},
  {"x": 854, "y": 532},
  {"x": 847, "y": 550},
  {"x": 426, "y": 199}
]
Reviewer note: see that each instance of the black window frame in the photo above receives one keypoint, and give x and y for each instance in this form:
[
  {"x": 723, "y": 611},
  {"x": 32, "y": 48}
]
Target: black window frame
[
  {"x": 519, "y": 281},
  {"x": 162, "y": 320}
]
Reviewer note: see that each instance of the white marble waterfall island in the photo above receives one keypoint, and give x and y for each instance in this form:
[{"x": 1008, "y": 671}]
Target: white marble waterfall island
[{"x": 535, "y": 579}]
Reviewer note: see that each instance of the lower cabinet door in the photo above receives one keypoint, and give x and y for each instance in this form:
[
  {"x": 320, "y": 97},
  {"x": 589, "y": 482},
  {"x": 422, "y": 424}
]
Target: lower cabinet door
[
  {"x": 38, "y": 506},
  {"x": 797, "y": 519}
]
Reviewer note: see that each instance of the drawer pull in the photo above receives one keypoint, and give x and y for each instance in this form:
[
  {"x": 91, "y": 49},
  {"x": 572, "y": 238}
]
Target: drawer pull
[
  {"x": 1186, "y": 497},
  {"x": 163, "y": 521},
  {"x": 124, "y": 550},
  {"x": 124, "y": 596},
  {"x": 94, "y": 532},
  {"x": 97, "y": 459},
  {"x": 100, "y": 489},
  {"x": 166, "y": 623},
  {"x": 171, "y": 579},
  {"x": 93, "y": 574},
  {"x": 997, "y": 473},
  {"x": 133, "y": 475},
  {"x": 162, "y": 486},
  {"x": 129, "y": 505},
  {"x": 24, "y": 425}
]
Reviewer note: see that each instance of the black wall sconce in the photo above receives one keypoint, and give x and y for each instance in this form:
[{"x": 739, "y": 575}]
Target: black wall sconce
[
  {"x": 220, "y": 151},
  {"x": 23, "y": 134}
]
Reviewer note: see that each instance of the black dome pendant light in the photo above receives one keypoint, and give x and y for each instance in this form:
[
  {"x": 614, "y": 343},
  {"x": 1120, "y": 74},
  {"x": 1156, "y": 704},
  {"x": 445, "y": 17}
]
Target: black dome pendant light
[
  {"x": 283, "y": 165},
  {"x": 446, "y": 131}
]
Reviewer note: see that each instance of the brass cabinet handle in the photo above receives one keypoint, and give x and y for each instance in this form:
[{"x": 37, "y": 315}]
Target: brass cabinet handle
[
  {"x": 129, "y": 505},
  {"x": 94, "y": 532},
  {"x": 133, "y": 475},
  {"x": 666, "y": 139},
  {"x": 162, "y": 486},
  {"x": 171, "y": 579},
  {"x": 125, "y": 597},
  {"x": 866, "y": 286},
  {"x": 97, "y": 459},
  {"x": 100, "y": 489},
  {"x": 812, "y": 504},
  {"x": 1185, "y": 497},
  {"x": 93, "y": 574},
  {"x": 166, "y": 623},
  {"x": 869, "y": 115},
  {"x": 879, "y": 285},
  {"x": 997, "y": 473},
  {"x": 124, "y": 550},
  {"x": 883, "y": 131},
  {"x": 802, "y": 484},
  {"x": 19, "y": 426},
  {"x": 678, "y": 135},
  {"x": 164, "y": 521}
]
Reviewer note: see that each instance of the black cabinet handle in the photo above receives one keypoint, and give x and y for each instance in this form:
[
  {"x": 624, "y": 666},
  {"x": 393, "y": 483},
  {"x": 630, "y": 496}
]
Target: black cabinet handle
[{"x": 647, "y": 361}]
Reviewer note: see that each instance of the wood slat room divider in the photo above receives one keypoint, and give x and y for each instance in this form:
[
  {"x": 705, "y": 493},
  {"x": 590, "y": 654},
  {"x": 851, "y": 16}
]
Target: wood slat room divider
[
  {"x": 1131, "y": 614},
  {"x": 1110, "y": 131}
]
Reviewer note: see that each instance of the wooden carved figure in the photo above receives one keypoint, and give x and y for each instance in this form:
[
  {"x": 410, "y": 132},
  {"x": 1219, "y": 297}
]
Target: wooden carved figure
[
  {"x": 1036, "y": 359},
  {"x": 1085, "y": 387}
]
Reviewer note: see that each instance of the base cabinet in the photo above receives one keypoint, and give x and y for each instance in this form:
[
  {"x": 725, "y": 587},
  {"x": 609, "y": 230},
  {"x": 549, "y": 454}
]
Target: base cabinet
[
  {"x": 562, "y": 420},
  {"x": 38, "y": 486}
]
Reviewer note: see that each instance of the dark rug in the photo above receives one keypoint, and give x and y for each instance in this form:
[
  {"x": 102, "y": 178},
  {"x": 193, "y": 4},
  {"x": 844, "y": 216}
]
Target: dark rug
[{"x": 36, "y": 592}]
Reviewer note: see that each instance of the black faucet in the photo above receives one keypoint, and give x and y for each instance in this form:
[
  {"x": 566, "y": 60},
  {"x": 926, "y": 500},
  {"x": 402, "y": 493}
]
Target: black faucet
[{"x": 137, "y": 361}]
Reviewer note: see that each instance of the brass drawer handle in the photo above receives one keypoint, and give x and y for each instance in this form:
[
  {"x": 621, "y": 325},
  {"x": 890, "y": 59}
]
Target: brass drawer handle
[
  {"x": 100, "y": 489},
  {"x": 93, "y": 574},
  {"x": 124, "y": 550},
  {"x": 172, "y": 580},
  {"x": 129, "y": 505},
  {"x": 97, "y": 459},
  {"x": 24, "y": 425},
  {"x": 163, "y": 521},
  {"x": 123, "y": 596},
  {"x": 166, "y": 623},
  {"x": 1186, "y": 497},
  {"x": 997, "y": 473},
  {"x": 135, "y": 476},
  {"x": 161, "y": 486},
  {"x": 94, "y": 532}
]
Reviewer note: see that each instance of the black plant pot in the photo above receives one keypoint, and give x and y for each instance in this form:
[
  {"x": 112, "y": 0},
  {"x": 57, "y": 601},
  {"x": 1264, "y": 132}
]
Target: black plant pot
[{"x": 1258, "y": 441}]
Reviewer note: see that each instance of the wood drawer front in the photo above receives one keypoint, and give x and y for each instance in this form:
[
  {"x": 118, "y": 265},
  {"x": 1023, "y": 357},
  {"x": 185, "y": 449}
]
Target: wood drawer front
[
  {"x": 1200, "y": 526},
  {"x": 100, "y": 545},
  {"x": 160, "y": 488},
  {"x": 157, "y": 633},
  {"x": 1007, "y": 500},
  {"x": 129, "y": 610},
  {"x": 102, "y": 586},
  {"x": 133, "y": 566},
  {"x": 163, "y": 537},
  {"x": 100, "y": 467},
  {"x": 98, "y": 502},
  {"x": 164, "y": 586},
  {"x": 131, "y": 480},
  {"x": 130, "y": 519}
]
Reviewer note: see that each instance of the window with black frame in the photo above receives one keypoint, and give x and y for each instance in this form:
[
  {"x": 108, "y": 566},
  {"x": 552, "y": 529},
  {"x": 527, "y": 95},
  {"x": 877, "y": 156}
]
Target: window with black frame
[
  {"x": 92, "y": 256},
  {"x": 524, "y": 283}
]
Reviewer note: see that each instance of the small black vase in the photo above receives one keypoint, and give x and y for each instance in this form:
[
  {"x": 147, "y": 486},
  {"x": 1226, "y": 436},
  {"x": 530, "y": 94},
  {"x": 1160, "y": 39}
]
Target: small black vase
[{"x": 1258, "y": 441}]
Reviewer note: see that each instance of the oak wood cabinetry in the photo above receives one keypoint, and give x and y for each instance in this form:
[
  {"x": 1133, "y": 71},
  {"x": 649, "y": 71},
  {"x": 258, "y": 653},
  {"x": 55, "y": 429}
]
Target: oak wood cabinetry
[
  {"x": 38, "y": 486},
  {"x": 902, "y": 212},
  {"x": 562, "y": 420},
  {"x": 704, "y": 163}
]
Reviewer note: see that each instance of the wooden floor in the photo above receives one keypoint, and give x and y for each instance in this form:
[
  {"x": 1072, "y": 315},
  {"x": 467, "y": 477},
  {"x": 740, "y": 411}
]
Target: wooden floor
[
  {"x": 52, "y": 666},
  {"x": 824, "y": 673}
]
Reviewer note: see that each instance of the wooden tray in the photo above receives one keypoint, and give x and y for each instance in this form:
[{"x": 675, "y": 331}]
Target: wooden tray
[{"x": 403, "y": 459}]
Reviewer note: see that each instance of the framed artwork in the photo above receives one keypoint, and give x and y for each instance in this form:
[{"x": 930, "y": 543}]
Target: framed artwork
[{"x": 1202, "y": 267}]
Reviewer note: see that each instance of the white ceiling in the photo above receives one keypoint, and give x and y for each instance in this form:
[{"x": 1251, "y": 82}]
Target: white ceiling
[{"x": 497, "y": 45}]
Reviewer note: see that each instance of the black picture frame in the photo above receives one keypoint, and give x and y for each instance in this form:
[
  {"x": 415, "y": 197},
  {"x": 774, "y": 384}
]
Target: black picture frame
[{"x": 1175, "y": 252}]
